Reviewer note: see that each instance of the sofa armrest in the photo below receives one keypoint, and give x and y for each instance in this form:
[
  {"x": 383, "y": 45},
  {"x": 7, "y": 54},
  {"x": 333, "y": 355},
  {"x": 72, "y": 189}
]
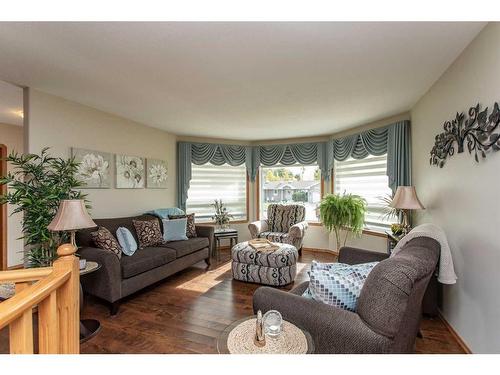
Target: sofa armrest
[
  {"x": 208, "y": 232},
  {"x": 258, "y": 227},
  {"x": 333, "y": 330},
  {"x": 298, "y": 230},
  {"x": 352, "y": 255},
  {"x": 105, "y": 283}
]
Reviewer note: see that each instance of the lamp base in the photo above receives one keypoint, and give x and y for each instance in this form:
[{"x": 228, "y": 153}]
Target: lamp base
[{"x": 405, "y": 224}]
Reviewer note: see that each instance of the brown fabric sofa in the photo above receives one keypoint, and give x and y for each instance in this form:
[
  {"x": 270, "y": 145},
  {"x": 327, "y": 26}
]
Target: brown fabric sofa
[
  {"x": 389, "y": 308},
  {"x": 119, "y": 278}
]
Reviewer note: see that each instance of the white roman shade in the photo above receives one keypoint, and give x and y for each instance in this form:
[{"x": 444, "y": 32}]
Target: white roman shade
[
  {"x": 211, "y": 182},
  {"x": 368, "y": 178}
]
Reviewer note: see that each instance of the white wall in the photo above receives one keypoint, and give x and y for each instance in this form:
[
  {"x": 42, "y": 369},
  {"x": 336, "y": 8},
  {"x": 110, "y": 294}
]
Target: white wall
[
  {"x": 462, "y": 197},
  {"x": 62, "y": 124},
  {"x": 12, "y": 137}
]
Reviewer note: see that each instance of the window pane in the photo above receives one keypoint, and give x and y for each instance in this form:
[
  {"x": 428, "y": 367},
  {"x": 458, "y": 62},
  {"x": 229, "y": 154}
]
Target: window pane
[
  {"x": 368, "y": 178},
  {"x": 288, "y": 185},
  {"x": 210, "y": 182}
]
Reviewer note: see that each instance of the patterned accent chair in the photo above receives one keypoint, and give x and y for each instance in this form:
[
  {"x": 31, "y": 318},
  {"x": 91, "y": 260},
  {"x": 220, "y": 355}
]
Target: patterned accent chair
[{"x": 284, "y": 224}]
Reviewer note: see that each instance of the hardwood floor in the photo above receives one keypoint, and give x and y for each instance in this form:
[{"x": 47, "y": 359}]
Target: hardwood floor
[{"x": 186, "y": 313}]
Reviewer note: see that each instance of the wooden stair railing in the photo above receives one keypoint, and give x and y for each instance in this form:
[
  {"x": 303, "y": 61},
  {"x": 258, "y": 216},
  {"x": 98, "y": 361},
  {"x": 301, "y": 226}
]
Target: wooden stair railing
[{"x": 55, "y": 290}]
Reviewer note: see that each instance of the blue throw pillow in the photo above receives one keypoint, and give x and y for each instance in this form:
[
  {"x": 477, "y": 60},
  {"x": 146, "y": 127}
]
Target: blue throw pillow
[
  {"x": 163, "y": 213},
  {"x": 126, "y": 241},
  {"x": 337, "y": 284},
  {"x": 175, "y": 230}
]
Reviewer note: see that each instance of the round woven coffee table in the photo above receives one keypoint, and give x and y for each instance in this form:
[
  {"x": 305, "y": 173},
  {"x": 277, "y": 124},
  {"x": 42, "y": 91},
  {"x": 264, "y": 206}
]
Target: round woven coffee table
[{"x": 238, "y": 338}]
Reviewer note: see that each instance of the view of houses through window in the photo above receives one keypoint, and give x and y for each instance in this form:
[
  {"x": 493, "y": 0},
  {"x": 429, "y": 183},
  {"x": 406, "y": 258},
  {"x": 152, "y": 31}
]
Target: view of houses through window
[{"x": 291, "y": 184}]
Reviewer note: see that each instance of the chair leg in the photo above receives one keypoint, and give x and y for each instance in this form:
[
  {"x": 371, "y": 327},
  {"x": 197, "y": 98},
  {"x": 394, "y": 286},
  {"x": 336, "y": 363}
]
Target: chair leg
[{"x": 114, "y": 307}]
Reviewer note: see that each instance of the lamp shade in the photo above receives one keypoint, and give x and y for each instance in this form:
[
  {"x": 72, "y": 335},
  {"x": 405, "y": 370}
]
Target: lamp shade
[
  {"x": 71, "y": 215},
  {"x": 406, "y": 199}
]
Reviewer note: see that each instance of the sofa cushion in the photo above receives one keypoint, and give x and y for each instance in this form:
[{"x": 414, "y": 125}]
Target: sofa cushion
[
  {"x": 105, "y": 240},
  {"x": 148, "y": 232},
  {"x": 337, "y": 284},
  {"x": 190, "y": 226},
  {"x": 276, "y": 237},
  {"x": 174, "y": 230},
  {"x": 126, "y": 241},
  {"x": 146, "y": 259},
  {"x": 183, "y": 248}
]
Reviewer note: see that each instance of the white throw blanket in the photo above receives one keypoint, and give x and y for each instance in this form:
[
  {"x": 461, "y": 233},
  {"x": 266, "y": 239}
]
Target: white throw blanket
[{"x": 446, "y": 273}]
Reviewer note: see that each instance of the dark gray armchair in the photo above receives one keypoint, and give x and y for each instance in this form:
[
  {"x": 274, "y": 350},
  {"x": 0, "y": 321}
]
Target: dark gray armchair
[{"x": 388, "y": 313}]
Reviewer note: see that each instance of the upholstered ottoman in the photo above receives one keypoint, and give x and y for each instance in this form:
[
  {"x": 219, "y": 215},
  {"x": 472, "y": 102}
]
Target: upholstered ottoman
[{"x": 276, "y": 268}]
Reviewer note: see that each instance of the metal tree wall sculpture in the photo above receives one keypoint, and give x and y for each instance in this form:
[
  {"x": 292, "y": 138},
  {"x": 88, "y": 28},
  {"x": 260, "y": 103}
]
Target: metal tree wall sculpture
[{"x": 479, "y": 131}]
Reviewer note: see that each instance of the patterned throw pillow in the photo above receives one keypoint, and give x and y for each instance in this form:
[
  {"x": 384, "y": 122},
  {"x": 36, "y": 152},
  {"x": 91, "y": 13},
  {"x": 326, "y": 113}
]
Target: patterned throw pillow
[
  {"x": 190, "y": 228},
  {"x": 337, "y": 284},
  {"x": 105, "y": 240},
  {"x": 148, "y": 233}
]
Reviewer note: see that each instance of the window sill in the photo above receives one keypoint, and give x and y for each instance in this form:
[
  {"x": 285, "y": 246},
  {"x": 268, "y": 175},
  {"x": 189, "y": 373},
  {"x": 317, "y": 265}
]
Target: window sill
[
  {"x": 371, "y": 232},
  {"x": 315, "y": 223}
]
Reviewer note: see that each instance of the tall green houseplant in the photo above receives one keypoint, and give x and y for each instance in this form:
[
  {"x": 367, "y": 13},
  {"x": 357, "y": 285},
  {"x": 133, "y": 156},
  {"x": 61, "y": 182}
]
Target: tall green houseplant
[
  {"x": 36, "y": 186},
  {"x": 343, "y": 213}
]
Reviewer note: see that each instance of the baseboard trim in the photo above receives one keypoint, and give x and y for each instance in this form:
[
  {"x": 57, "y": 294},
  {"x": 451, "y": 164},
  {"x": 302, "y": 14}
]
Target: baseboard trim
[
  {"x": 454, "y": 333},
  {"x": 320, "y": 250}
]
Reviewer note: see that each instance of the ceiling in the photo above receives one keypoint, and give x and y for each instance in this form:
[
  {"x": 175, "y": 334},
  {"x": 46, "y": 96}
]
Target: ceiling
[
  {"x": 246, "y": 81},
  {"x": 11, "y": 104}
]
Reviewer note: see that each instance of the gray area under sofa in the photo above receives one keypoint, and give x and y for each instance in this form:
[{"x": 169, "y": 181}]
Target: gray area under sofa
[{"x": 119, "y": 278}]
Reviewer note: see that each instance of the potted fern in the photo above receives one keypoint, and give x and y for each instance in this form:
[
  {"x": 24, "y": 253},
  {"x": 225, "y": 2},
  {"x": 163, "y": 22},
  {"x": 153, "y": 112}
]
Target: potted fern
[
  {"x": 343, "y": 214},
  {"x": 35, "y": 187}
]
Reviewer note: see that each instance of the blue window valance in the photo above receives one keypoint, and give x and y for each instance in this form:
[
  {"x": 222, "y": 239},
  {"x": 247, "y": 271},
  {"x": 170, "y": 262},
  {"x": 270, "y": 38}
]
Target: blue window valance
[
  {"x": 289, "y": 154},
  {"x": 203, "y": 153},
  {"x": 393, "y": 140}
]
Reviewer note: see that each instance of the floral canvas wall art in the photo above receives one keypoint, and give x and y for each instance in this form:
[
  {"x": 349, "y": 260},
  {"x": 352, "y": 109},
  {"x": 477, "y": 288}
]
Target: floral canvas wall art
[
  {"x": 157, "y": 174},
  {"x": 130, "y": 172},
  {"x": 94, "y": 168}
]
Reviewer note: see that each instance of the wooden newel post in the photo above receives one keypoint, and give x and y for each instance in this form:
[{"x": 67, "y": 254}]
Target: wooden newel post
[{"x": 68, "y": 300}]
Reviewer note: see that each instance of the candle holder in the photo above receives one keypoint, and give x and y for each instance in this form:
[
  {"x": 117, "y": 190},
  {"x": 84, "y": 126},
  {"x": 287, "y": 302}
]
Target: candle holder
[{"x": 273, "y": 323}]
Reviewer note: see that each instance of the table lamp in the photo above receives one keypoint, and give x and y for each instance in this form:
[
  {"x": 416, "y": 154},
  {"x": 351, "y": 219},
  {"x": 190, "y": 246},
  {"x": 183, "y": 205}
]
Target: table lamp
[
  {"x": 71, "y": 216},
  {"x": 406, "y": 199}
]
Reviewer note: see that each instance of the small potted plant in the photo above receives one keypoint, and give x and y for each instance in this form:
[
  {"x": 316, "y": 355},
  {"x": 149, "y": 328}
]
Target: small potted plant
[
  {"x": 343, "y": 213},
  {"x": 222, "y": 217}
]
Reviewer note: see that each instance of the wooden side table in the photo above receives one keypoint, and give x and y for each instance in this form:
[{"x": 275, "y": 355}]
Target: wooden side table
[
  {"x": 392, "y": 240},
  {"x": 221, "y": 234},
  {"x": 88, "y": 327}
]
